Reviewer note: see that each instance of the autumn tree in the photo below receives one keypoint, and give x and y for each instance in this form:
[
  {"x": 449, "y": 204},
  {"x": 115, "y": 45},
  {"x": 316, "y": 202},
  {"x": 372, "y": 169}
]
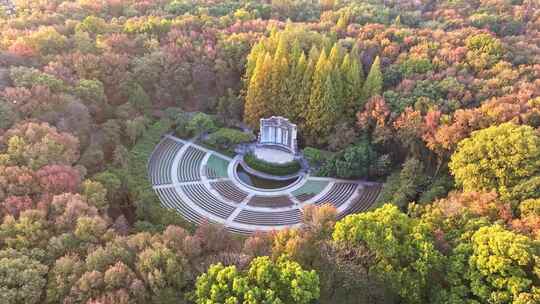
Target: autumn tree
[
  {"x": 38, "y": 144},
  {"x": 257, "y": 98},
  {"x": 22, "y": 278},
  {"x": 495, "y": 265},
  {"x": 92, "y": 94},
  {"x": 138, "y": 97},
  {"x": 313, "y": 89},
  {"x": 171, "y": 267},
  {"x": 95, "y": 194},
  {"x": 58, "y": 179},
  {"x": 513, "y": 153},
  {"x": 265, "y": 281},
  {"x": 353, "y": 77},
  {"x": 321, "y": 112},
  {"x": 18, "y": 181},
  {"x": 484, "y": 50},
  {"x": 375, "y": 120},
  {"x": 407, "y": 259},
  {"x": 402, "y": 187},
  {"x": 374, "y": 81}
]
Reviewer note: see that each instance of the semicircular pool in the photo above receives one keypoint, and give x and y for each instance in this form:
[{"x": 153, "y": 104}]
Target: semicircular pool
[{"x": 260, "y": 182}]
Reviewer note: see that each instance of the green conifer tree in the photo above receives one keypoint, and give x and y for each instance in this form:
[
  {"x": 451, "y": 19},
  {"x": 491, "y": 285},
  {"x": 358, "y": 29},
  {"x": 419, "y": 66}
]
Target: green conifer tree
[
  {"x": 351, "y": 71},
  {"x": 338, "y": 86},
  {"x": 293, "y": 85},
  {"x": 298, "y": 101},
  {"x": 278, "y": 78},
  {"x": 302, "y": 103},
  {"x": 258, "y": 92},
  {"x": 343, "y": 21},
  {"x": 374, "y": 81},
  {"x": 256, "y": 53},
  {"x": 321, "y": 112},
  {"x": 335, "y": 55},
  {"x": 296, "y": 51}
]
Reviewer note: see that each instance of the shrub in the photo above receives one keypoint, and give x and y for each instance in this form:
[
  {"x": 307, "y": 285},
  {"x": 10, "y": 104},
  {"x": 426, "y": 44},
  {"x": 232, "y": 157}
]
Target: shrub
[
  {"x": 226, "y": 139},
  {"x": 353, "y": 162},
  {"x": 317, "y": 158},
  {"x": 271, "y": 168},
  {"x": 201, "y": 123},
  {"x": 189, "y": 124}
]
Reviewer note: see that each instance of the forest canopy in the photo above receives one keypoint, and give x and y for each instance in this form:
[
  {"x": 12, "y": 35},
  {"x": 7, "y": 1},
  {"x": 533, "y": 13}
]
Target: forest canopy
[{"x": 439, "y": 101}]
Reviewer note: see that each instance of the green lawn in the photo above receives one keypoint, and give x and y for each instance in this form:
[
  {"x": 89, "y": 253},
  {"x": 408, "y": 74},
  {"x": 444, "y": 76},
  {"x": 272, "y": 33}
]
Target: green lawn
[
  {"x": 219, "y": 165},
  {"x": 310, "y": 187}
]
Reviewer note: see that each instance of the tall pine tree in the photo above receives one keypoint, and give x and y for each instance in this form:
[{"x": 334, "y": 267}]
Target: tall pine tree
[
  {"x": 322, "y": 110},
  {"x": 305, "y": 89},
  {"x": 338, "y": 85},
  {"x": 374, "y": 81},
  {"x": 293, "y": 84},
  {"x": 256, "y": 53},
  {"x": 258, "y": 93},
  {"x": 353, "y": 81},
  {"x": 315, "y": 90},
  {"x": 279, "y": 74}
]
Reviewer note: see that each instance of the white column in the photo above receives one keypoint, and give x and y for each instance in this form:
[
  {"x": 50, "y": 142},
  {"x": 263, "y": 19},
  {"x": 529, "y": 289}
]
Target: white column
[
  {"x": 265, "y": 134},
  {"x": 272, "y": 132}
]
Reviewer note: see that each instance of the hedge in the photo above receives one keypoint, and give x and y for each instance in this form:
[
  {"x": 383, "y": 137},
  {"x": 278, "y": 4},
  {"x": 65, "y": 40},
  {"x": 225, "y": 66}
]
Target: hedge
[{"x": 274, "y": 169}]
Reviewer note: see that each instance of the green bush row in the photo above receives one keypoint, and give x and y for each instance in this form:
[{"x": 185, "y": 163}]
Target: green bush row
[
  {"x": 274, "y": 169},
  {"x": 150, "y": 214}
]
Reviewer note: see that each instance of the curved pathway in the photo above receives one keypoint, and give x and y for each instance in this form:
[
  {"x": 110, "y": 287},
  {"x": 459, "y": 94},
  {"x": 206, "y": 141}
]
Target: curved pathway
[{"x": 179, "y": 173}]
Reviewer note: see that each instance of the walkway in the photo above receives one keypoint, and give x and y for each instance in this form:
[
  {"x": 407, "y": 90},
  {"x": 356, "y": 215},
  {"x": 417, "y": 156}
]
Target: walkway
[
  {"x": 186, "y": 181},
  {"x": 273, "y": 155}
]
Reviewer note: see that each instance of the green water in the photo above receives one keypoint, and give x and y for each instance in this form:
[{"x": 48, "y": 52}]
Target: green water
[{"x": 262, "y": 183}]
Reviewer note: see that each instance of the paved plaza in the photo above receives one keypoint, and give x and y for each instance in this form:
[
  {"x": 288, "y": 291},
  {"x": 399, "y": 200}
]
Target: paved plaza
[{"x": 273, "y": 155}]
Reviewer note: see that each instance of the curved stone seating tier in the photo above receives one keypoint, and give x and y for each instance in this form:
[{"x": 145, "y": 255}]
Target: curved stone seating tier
[
  {"x": 189, "y": 166},
  {"x": 338, "y": 194},
  {"x": 229, "y": 191},
  {"x": 170, "y": 199},
  {"x": 280, "y": 218},
  {"x": 270, "y": 201},
  {"x": 210, "y": 173},
  {"x": 196, "y": 183},
  {"x": 305, "y": 197},
  {"x": 161, "y": 161},
  {"x": 366, "y": 199},
  {"x": 239, "y": 230},
  {"x": 207, "y": 201}
]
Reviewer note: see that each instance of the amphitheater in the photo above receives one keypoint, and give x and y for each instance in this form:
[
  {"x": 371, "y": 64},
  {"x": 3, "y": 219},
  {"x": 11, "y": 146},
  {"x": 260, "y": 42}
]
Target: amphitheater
[{"x": 201, "y": 185}]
